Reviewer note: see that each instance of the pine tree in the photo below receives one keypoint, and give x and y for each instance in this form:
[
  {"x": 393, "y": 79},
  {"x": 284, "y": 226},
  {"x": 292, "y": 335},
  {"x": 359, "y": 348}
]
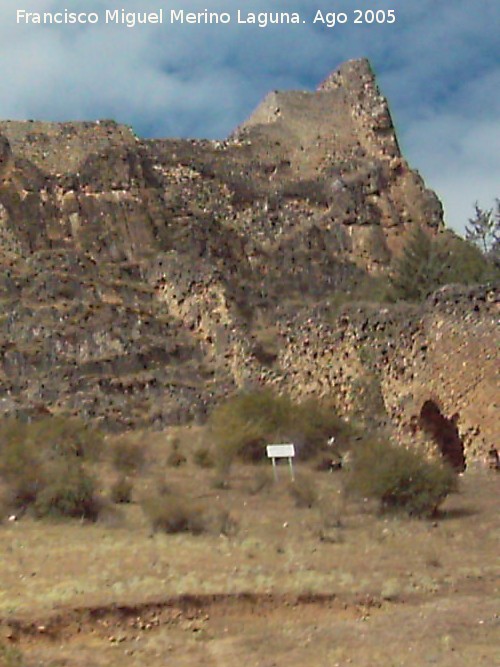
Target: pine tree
[
  {"x": 484, "y": 228},
  {"x": 464, "y": 262},
  {"x": 417, "y": 271},
  {"x": 428, "y": 263}
]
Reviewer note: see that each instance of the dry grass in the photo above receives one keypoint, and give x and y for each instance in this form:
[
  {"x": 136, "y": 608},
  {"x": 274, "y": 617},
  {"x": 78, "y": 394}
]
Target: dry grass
[
  {"x": 262, "y": 482},
  {"x": 10, "y": 656},
  {"x": 445, "y": 571},
  {"x": 128, "y": 457},
  {"x": 304, "y": 491},
  {"x": 261, "y": 517}
]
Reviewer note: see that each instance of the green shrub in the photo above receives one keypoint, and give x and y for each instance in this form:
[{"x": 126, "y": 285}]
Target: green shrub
[
  {"x": 121, "y": 490},
  {"x": 400, "y": 479},
  {"x": 312, "y": 423},
  {"x": 428, "y": 263},
  {"x": 54, "y": 435},
  {"x": 67, "y": 437},
  {"x": 464, "y": 263},
  {"x": 68, "y": 492},
  {"x": 23, "y": 462},
  {"x": 243, "y": 425},
  {"x": 21, "y": 469},
  {"x": 364, "y": 288},
  {"x": 246, "y": 423},
  {"x": 417, "y": 271},
  {"x": 128, "y": 457},
  {"x": 45, "y": 474}
]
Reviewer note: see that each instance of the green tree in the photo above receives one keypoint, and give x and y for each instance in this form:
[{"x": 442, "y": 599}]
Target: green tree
[
  {"x": 418, "y": 271},
  {"x": 428, "y": 263},
  {"x": 465, "y": 264},
  {"x": 484, "y": 228}
]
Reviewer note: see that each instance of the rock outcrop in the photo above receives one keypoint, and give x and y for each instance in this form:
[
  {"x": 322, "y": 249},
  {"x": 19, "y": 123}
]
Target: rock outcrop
[
  {"x": 142, "y": 280},
  {"x": 388, "y": 362}
]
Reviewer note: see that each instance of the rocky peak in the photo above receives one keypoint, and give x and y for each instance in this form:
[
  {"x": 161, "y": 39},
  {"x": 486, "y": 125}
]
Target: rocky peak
[
  {"x": 356, "y": 75},
  {"x": 346, "y": 115},
  {"x": 357, "y": 81},
  {"x": 144, "y": 279}
]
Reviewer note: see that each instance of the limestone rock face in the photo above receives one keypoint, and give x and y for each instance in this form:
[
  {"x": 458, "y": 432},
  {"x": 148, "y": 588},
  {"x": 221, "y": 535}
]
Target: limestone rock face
[
  {"x": 142, "y": 280},
  {"x": 389, "y": 361}
]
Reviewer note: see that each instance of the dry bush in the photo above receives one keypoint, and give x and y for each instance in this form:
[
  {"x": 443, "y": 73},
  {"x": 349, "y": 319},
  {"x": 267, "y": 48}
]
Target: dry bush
[
  {"x": 128, "y": 457},
  {"x": 4, "y": 504},
  {"x": 221, "y": 522},
  {"x": 332, "y": 510},
  {"x": 400, "y": 479},
  {"x": 262, "y": 482},
  {"x": 22, "y": 469},
  {"x": 54, "y": 435},
  {"x": 433, "y": 560},
  {"x": 161, "y": 486},
  {"x": 43, "y": 475},
  {"x": 175, "y": 459},
  {"x": 110, "y": 515},
  {"x": 221, "y": 481},
  {"x": 69, "y": 437},
  {"x": 174, "y": 514},
  {"x": 267, "y": 345},
  {"x": 121, "y": 490},
  {"x": 303, "y": 491},
  {"x": 203, "y": 458}
]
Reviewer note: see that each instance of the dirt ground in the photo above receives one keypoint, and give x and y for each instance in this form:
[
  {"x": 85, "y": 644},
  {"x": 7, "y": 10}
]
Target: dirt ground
[{"x": 327, "y": 586}]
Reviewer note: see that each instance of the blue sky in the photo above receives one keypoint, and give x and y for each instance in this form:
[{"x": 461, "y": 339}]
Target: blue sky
[{"x": 439, "y": 65}]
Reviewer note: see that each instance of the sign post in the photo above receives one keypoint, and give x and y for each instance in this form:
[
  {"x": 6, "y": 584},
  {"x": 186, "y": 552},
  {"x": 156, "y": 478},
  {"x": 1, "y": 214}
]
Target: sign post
[{"x": 281, "y": 452}]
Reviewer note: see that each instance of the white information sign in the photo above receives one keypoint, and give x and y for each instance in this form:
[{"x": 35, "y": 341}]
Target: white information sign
[
  {"x": 280, "y": 451},
  {"x": 286, "y": 451}
]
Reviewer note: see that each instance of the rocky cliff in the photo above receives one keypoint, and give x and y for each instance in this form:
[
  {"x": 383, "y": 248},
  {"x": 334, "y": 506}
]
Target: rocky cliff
[{"x": 144, "y": 279}]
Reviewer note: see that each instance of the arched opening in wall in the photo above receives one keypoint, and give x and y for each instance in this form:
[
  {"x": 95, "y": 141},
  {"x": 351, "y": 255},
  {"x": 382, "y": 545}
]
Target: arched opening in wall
[{"x": 445, "y": 434}]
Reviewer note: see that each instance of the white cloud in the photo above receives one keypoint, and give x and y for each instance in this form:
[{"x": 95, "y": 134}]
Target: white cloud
[{"x": 436, "y": 65}]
